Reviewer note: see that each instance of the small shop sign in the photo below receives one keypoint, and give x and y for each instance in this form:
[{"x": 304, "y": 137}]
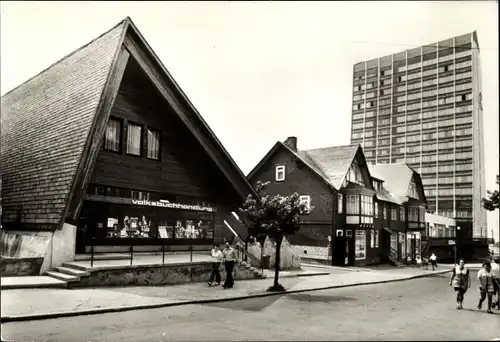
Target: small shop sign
[{"x": 168, "y": 204}]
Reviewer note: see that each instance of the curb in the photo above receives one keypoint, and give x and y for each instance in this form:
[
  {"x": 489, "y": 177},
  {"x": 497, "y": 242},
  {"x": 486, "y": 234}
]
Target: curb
[{"x": 9, "y": 319}]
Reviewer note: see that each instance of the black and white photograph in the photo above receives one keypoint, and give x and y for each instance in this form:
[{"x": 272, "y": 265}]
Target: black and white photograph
[{"x": 249, "y": 171}]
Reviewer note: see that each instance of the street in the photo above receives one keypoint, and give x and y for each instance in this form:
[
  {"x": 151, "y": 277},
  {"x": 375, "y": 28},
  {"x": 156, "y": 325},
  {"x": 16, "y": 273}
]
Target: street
[{"x": 420, "y": 309}]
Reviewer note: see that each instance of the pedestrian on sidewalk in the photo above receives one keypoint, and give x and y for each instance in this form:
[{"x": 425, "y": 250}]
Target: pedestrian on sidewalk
[
  {"x": 460, "y": 280},
  {"x": 486, "y": 289},
  {"x": 229, "y": 260},
  {"x": 433, "y": 260},
  {"x": 217, "y": 257},
  {"x": 419, "y": 261},
  {"x": 495, "y": 269}
]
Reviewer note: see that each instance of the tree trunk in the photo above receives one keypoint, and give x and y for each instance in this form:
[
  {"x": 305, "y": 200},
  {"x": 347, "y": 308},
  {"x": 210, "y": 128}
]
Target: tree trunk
[{"x": 277, "y": 261}]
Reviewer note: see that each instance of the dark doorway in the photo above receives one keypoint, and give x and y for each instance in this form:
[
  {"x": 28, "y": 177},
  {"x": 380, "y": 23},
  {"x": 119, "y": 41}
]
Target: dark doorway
[
  {"x": 339, "y": 250},
  {"x": 350, "y": 252}
]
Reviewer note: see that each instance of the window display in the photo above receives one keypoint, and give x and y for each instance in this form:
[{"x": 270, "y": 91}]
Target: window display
[{"x": 360, "y": 244}]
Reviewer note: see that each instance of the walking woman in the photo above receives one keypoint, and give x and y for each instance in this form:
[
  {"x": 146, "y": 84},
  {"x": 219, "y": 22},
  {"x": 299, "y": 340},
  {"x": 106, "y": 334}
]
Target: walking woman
[
  {"x": 229, "y": 259},
  {"x": 217, "y": 257},
  {"x": 486, "y": 289},
  {"x": 460, "y": 280}
]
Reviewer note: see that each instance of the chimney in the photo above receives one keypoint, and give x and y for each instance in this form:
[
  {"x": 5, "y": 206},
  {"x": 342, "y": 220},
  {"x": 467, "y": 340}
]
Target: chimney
[{"x": 291, "y": 143}]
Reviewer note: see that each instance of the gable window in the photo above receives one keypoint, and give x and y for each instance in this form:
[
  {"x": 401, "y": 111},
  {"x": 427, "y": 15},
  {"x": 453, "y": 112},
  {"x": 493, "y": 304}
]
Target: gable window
[
  {"x": 112, "y": 137},
  {"x": 352, "y": 204},
  {"x": 384, "y": 211},
  {"x": 354, "y": 174},
  {"x": 402, "y": 213},
  {"x": 339, "y": 204},
  {"x": 376, "y": 209},
  {"x": 280, "y": 173},
  {"x": 153, "y": 144},
  {"x": 394, "y": 214},
  {"x": 413, "y": 190},
  {"x": 306, "y": 200},
  {"x": 134, "y": 134}
]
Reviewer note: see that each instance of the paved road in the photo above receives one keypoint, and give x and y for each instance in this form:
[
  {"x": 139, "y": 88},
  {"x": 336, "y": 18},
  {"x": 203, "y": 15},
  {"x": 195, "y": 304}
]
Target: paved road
[{"x": 420, "y": 309}]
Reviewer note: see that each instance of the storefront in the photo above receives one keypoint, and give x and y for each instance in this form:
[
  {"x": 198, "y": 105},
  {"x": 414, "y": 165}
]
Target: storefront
[{"x": 120, "y": 221}]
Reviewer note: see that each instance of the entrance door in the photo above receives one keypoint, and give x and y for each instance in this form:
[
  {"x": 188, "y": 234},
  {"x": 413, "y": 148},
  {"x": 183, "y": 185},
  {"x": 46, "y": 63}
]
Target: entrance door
[
  {"x": 339, "y": 250},
  {"x": 81, "y": 230},
  {"x": 350, "y": 252}
]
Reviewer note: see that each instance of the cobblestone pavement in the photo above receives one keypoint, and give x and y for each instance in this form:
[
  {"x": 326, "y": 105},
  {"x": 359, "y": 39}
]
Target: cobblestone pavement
[{"x": 420, "y": 309}]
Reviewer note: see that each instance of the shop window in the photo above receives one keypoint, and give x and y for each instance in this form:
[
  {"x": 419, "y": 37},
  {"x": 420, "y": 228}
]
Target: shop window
[
  {"x": 360, "y": 244},
  {"x": 377, "y": 237},
  {"x": 134, "y": 135},
  {"x": 153, "y": 144},
  {"x": 306, "y": 200},
  {"x": 112, "y": 137},
  {"x": 372, "y": 238},
  {"x": 280, "y": 173}
]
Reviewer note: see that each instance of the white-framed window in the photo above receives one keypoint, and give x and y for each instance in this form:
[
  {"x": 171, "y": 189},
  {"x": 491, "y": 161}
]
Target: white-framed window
[
  {"x": 360, "y": 244},
  {"x": 153, "y": 144},
  {"x": 134, "y": 135},
  {"x": 376, "y": 209},
  {"x": 339, "y": 203},
  {"x": 280, "y": 173},
  {"x": 402, "y": 214},
  {"x": 394, "y": 214},
  {"x": 352, "y": 204},
  {"x": 306, "y": 200},
  {"x": 112, "y": 138}
]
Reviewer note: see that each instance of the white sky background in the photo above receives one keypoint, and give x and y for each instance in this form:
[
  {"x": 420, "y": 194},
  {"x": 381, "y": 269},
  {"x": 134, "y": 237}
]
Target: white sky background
[{"x": 261, "y": 71}]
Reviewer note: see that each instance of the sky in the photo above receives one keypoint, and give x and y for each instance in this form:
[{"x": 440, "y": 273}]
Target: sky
[{"x": 259, "y": 72}]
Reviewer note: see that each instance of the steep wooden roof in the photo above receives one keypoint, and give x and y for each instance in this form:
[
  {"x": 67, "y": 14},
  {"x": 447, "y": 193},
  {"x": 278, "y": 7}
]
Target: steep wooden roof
[
  {"x": 49, "y": 122},
  {"x": 330, "y": 163},
  {"x": 333, "y": 162}
]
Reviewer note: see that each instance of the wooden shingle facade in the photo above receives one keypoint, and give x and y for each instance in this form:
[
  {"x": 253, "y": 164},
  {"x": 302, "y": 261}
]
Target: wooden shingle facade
[{"x": 105, "y": 141}]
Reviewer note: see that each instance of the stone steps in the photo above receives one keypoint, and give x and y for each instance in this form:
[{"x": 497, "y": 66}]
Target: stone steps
[
  {"x": 72, "y": 271},
  {"x": 63, "y": 276}
]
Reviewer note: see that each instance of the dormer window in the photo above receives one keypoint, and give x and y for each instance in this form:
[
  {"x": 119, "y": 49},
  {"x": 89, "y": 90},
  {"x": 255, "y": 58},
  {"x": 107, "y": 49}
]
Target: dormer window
[{"x": 280, "y": 173}]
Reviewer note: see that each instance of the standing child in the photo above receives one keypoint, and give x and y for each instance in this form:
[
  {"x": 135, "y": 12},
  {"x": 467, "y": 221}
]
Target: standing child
[
  {"x": 419, "y": 261},
  {"x": 433, "y": 260}
]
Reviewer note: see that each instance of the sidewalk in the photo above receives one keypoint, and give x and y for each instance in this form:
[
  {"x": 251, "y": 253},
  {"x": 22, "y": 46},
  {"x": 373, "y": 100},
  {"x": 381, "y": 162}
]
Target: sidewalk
[{"x": 31, "y": 304}]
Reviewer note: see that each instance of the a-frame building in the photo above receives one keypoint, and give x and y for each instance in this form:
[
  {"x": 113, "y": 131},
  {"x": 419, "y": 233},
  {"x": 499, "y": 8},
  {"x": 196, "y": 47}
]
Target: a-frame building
[{"x": 104, "y": 146}]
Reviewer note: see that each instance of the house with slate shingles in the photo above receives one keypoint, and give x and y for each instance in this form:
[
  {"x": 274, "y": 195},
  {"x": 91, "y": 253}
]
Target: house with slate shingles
[
  {"x": 352, "y": 222},
  {"x": 103, "y": 148},
  {"x": 337, "y": 183},
  {"x": 400, "y": 210}
]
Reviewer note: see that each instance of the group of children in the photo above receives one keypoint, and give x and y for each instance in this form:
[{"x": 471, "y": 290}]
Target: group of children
[{"x": 421, "y": 262}]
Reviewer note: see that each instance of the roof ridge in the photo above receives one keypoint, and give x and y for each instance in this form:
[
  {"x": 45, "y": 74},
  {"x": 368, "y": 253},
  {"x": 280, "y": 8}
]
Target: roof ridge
[
  {"x": 68, "y": 55},
  {"x": 324, "y": 148}
]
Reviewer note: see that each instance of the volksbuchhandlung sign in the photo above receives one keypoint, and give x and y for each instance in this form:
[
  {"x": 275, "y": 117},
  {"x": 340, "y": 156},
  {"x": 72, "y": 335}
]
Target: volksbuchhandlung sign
[{"x": 166, "y": 204}]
